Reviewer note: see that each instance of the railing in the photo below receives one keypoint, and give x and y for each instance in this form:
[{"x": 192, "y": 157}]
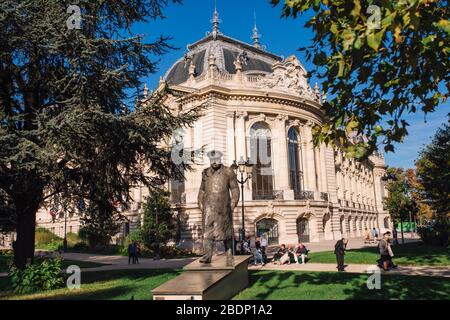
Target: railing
[
  {"x": 324, "y": 196},
  {"x": 303, "y": 195},
  {"x": 264, "y": 194}
]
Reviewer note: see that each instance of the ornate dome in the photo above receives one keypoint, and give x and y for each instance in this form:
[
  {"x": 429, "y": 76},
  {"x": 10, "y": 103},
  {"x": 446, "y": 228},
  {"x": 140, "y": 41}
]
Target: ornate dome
[
  {"x": 260, "y": 68},
  {"x": 225, "y": 50}
]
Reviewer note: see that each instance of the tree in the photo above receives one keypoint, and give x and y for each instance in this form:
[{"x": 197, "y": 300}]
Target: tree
[
  {"x": 433, "y": 171},
  {"x": 399, "y": 201},
  {"x": 100, "y": 223},
  {"x": 159, "y": 222},
  {"x": 379, "y": 60},
  {"x": 424, "y": 211},
  {"x": 68, "y": 124}
]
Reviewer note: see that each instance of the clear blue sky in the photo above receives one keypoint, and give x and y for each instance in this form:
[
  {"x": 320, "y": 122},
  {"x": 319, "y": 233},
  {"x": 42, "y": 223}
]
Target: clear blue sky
[{"x": 190, "y": 21}]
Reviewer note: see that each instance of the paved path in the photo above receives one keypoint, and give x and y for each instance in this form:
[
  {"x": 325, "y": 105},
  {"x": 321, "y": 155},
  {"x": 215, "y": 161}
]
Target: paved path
[
  {"x": 121, "y": 262},
  {"x": 354, "y": 243},
  {"x": 359, "y": 268}
]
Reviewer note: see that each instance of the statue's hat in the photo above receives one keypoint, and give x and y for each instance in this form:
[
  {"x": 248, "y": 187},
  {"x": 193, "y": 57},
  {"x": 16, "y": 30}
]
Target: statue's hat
[{"x": 214, "y": 154}]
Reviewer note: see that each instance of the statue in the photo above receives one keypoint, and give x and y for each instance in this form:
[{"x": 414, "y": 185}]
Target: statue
[{"x": 217, "y": 206}]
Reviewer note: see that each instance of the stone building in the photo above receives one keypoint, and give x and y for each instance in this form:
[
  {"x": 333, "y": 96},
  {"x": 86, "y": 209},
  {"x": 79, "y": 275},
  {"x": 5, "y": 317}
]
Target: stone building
[{"x": 259, "y": 106}]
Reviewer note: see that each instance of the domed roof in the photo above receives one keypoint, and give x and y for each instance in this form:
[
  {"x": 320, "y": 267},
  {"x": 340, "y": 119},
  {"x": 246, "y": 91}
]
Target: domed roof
[
  {"x": 225, "y": 50},
  {"x": 225, "y": 56}
]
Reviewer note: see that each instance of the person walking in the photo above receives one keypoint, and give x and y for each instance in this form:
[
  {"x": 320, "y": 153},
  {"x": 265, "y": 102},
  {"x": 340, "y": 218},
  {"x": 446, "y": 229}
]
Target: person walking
[
  {"x": 131, "y": 251},
  {"x": 374, "y": 233},
  {"x": 264, "y": 243},
  {"x": 137, "y": 252},
  {"x": 339, "y": 251},
  {"x": 383, "y": 247}
]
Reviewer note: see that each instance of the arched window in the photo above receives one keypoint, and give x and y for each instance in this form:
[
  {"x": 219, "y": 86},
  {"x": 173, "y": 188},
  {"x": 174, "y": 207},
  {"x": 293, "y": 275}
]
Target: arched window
[
  {"x": 269, "y": 228},
  {"x": 295, "y": 171},
  {"x": 303, "y": 230},
  {"x": 261, "y": 157},
  {"x": 177, "y": 188}
]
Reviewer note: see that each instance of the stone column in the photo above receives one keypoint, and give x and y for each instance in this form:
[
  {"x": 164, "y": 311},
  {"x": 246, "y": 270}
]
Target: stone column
[
  {"x": 310, "y": 174},
  {"x": 240, "y": 147},
  {"x": 280, "y": 157},
  {"x": 231, "y": 148},
  {"x": 240, "y": 135},
  {"x": 323, "y": 175}
]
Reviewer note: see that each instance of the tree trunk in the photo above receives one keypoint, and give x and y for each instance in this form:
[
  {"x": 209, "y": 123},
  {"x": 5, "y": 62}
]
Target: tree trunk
[{"x": 25, "y": 229}]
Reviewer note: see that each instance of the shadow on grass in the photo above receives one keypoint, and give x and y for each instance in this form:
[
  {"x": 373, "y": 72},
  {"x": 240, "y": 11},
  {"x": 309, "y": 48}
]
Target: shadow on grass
[
  {"x": 414, "y": 253},
  {"x": 108, "y": 285},
  {"x": 329, "y": 285}
]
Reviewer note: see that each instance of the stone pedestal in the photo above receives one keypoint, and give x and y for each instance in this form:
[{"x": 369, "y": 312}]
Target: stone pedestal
[{"x": 214, "y": 281}]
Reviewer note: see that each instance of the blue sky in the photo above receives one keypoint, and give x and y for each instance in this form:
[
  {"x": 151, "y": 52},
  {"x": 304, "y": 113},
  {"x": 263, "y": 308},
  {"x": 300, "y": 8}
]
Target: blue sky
[{"x": 190, "y": 21}]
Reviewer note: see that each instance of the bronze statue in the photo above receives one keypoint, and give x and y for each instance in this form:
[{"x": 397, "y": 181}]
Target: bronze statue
[{"x": 217, "y": 206}]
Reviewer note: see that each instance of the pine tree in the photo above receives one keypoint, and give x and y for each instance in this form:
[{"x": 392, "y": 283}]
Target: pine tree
[{"x": 67, "y": 119}]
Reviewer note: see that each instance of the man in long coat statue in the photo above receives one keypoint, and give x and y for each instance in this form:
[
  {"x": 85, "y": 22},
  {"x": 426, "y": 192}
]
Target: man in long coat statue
[{"x": 217, "y": 206}]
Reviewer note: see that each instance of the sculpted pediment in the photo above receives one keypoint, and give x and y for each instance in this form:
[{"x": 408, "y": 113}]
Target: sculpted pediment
[{"x": 289, "y": 76}]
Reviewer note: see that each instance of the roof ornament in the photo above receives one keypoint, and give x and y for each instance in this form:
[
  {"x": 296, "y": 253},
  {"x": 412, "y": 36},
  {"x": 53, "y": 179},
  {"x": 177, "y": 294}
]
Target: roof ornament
[
  {"x": 256, "y": 36},
  {"x": 243, "y": 57},
  {"x": 187, "y": 60},
  {"x": 145, "y": 90},
  {"x": 215, "y": 23}
]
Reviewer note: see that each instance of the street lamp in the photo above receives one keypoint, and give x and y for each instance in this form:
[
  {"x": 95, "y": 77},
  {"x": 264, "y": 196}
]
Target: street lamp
[
  {"x": 243, "y": 167},
  {"x": 156, "y": 243}
]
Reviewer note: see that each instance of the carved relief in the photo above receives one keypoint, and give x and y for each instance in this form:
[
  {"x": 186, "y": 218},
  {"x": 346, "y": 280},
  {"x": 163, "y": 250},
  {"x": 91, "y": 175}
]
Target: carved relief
[{"x": 289, "y": 76}]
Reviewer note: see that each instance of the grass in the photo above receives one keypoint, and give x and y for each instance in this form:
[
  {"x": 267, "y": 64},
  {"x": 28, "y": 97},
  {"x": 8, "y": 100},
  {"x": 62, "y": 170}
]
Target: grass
[
  {"x": 103, "y": 285},
  {"x": 264, "y": 285},
  {"x": 407, "y": 254},
  {"x": 295, "y": 285},
  {"x": 4, "y": 260}
]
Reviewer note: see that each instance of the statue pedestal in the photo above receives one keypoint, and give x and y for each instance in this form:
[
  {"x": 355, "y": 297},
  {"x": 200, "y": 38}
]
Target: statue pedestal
[{"x": 214, "y": 281}]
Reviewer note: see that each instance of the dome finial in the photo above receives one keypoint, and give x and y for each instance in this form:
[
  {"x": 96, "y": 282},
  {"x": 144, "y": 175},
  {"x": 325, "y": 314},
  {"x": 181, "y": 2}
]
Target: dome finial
[
  {"x": 215, "y": 22},
  {"x": 255, "y": 36}
]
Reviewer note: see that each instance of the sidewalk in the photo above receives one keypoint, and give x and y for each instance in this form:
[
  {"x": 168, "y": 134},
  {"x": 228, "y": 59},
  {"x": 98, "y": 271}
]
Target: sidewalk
[
  {"x": 121, "y": 262},
  {"x": 358, "y": 268}
]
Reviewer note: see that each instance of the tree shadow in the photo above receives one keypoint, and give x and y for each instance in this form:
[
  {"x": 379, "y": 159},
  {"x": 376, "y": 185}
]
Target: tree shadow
[
  {"x": 270, "y": 285},
  {"x": 413, "y": 253}
]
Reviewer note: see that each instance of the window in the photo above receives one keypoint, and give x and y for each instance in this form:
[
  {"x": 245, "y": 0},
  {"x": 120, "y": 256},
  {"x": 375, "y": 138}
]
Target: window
[
  {"x": 269, "y": 228},
  {"x": 177, "y": 188},
  {"x": 295, "y": 171},
  {"x": 261, "y": 157},
  {"x": 303, "y": 230}
]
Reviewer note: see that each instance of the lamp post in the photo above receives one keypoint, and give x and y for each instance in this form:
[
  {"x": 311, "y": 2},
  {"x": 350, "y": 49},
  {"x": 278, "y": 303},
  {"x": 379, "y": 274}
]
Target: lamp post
[
  {"x": 243, "y": 166},
  {"x": 156, "y": 243},
  {"x": 65, "y": 232}
]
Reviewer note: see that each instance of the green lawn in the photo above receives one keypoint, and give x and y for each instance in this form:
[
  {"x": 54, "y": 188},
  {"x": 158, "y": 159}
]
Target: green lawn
[
  {"x": 289, "y": 285},
  {"x": 137, "y": 284},
  {"x": 408, "y": 254},
  {"x": 103, "y": 285},
  {"x": 4, "y": 259}
]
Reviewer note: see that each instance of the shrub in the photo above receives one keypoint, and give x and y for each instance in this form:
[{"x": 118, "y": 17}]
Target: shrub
[
  {"x": 45, "y": 237},
  {"x": 44, "y": 274},
  {"x": 135, "y": 235},
  {"x": 173, "y": 251},
  {"x": 72, "y": 239},
  {"x": 6, "y": 252},
  {"x": 434, "y": 234}
]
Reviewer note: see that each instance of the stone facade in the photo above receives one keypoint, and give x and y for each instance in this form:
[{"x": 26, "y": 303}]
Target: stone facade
[{"x": 260, "y": 106}]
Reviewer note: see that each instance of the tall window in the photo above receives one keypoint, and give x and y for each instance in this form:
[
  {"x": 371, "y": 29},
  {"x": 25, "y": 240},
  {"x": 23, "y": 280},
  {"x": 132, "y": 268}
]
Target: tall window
[
  {"x": 295, "y": 172},
  {"x": 261, "y": 157},
  {"x": 177, "y": 188}
]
